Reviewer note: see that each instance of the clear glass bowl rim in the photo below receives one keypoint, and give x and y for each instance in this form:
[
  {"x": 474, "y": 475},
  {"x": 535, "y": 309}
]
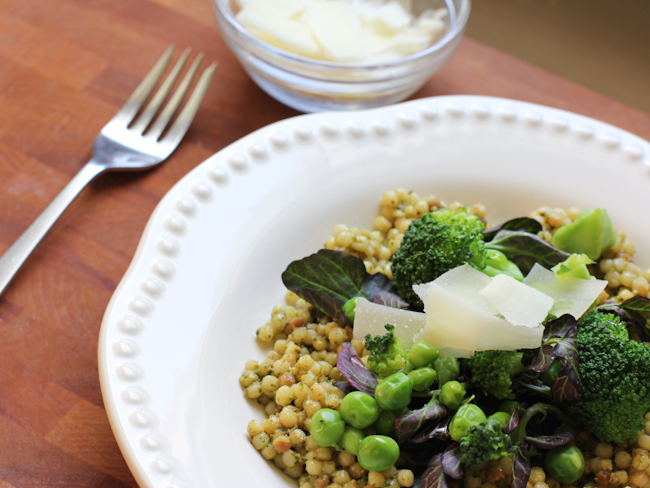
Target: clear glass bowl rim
[{"x": 456, "y": 29}]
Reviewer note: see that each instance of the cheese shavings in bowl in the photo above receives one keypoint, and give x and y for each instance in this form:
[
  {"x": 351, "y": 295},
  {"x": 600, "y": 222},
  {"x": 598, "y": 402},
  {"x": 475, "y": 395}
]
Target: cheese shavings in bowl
[{"x": 343, "y": 31}]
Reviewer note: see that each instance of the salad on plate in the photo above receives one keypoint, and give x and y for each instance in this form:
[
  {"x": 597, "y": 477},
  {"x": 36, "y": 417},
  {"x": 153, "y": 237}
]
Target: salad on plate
[{"x": 438, "y": 351}]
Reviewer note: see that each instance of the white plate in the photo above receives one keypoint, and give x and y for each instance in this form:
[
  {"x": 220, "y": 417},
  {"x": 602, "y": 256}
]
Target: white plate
[{"x": 206, "y": 274}]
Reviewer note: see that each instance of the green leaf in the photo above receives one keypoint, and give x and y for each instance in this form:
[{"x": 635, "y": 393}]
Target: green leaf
[
  {"x": 525, "y": 224},
  {"x": 328, "y": 279},
  {"x": 525, "y": 249},
  {"x": 638, "y": 304}
]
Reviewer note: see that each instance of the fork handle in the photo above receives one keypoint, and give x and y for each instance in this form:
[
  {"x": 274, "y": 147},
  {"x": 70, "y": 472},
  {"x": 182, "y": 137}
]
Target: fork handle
[{"x": 20, "y": 250}]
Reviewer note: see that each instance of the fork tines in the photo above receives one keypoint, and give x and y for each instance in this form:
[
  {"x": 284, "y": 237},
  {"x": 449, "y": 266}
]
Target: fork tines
[{"x": 141, "y": 121}]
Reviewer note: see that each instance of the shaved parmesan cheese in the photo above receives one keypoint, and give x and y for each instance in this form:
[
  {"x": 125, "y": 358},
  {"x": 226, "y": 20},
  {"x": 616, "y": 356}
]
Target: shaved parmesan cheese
[
  {"x": 407, "y": 5},
  {"x": 343, "y": 30},
  {"x": 459, "y": 321},
  {"x": 466, "y": 282},
  {"x": 467, "y": 311},
  {"x": 386, "y": 18},
  {"x": 518, "y": 303},
  {"x": 378, "y": 45},
  {"x": 277, "y": 28},
  {"x": 429, "y": 25},
  {"x": 457, "y": 328},
  {"x": 370, "y": 318},
  {"x": 571, "y": 295},
  {"x": 277, "y": 8},
  {"x": 337, "y": 28}
]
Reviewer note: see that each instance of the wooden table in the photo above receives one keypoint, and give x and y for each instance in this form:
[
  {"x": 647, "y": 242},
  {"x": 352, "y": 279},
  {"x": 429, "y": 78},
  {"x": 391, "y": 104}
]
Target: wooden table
[{"x": 65, "y": 68}]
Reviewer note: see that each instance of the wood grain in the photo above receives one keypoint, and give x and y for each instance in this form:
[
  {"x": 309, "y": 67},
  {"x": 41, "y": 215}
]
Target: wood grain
[{"x": 66, "y": 66}]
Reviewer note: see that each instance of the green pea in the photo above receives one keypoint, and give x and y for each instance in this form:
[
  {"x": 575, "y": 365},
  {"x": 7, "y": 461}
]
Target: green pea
[
  {"x": 326, "y": 427},
  {"x": 467, "y": 416},
  {"x": 351, "y": 439},
  {"x": 451, "y": 394},
  {"x": 359, "y": 409},
  {"x": 377, "y": 453},
  {"x": 394, "y": 392},
  {"x": 565, "y": 463},
  {"x": 447, "y": 368},
  {"x": 423, "y": 378},
  {"x": 385, "y": 423},
  {"x": 422, "y": 353},
  {"x": 502, "y": 417},
  {"x": 350, "y": 306}
]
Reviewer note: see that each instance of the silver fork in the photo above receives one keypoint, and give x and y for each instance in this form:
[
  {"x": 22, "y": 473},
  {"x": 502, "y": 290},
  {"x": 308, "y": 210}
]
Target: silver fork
[{"x": 127, "y": 142}]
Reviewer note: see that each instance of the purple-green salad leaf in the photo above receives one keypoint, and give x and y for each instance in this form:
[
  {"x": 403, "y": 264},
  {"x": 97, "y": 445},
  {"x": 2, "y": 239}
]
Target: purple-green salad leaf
[
  {"x": 439, "y": 431},
  {"x": 559, "y": 342},
  {"x": 512, "y": 423},
  {"x": 564, "y": 389},
  {"x": 564, "y": 326},
  {"x": 525, "y": 249},
  {"x": 390, "y": 300},
  {"x": 551, "y": 441},
  {"x": 328, "y": 279},
  {"x": 434, "y": 476},
  {"x": 541, "y": 426},
  {"x": 521, "y": 468},
  {"x": 409, "y": 424},
  {"x": 543, "y": 358},
  {"x": 379, "y": 288},
  {"x": 451, "y": 461},
  {"x": 525, "y": 224},
  {"x": 353, "y": 370},
  {"x": 638, "y": 304}
]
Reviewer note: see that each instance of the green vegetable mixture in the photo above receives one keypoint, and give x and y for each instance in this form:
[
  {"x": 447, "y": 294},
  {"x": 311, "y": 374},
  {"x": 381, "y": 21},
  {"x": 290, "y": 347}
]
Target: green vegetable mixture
[{"x": 400, "y": 409}]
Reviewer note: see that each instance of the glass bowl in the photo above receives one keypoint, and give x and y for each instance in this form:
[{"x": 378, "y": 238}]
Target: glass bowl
[{"x": 311, "y": 85}]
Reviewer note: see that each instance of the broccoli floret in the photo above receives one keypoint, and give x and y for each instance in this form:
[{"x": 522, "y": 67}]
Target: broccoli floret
[
  {"x": 434, "y": 244},
  {"x": 484, "y": 443},
  {"x": 493, "y": 371},
  {"x": 387, "y": 356},
  {"x": 615, "y": 374}
]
